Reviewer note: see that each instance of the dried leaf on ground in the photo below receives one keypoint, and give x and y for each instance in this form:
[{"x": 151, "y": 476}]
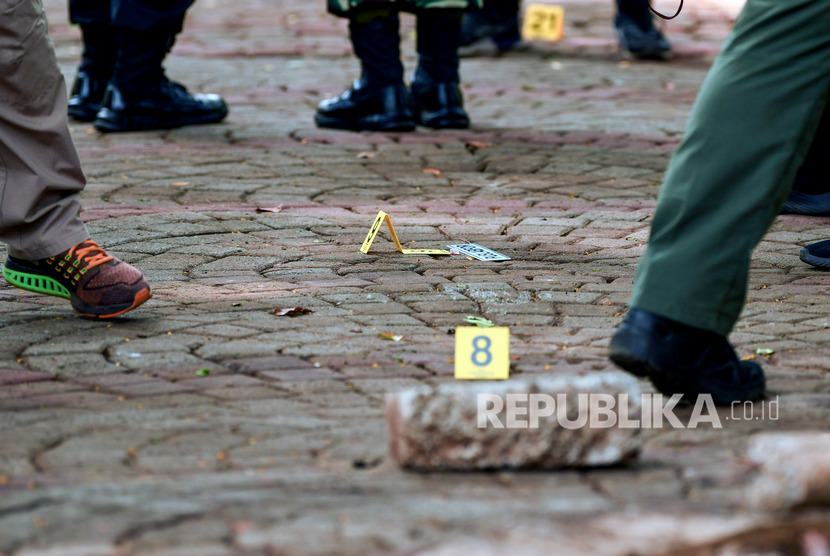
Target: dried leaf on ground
[
  {"x": 291, "y": 311},
  {"x": 277, "y": 208},
  {"x": 390, "y": 336},
  {"x": 478, "y": 145}
]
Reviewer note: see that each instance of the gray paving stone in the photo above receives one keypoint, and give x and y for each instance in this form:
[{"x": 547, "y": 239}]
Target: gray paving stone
[{"x": 575, "y": 147}]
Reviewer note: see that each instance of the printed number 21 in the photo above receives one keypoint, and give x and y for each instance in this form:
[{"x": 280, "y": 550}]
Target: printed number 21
[
  {"x": 541, "y": 18},
  {"x": 478, "y": 349}
]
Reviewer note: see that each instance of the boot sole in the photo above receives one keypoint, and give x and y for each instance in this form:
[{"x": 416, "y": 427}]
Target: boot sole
[
  {"x": 108, "y": 122},
  {"x": 448, "y": 124},
  {"x": 400, "y": 124},
  {"x": 81, "y": 114}
]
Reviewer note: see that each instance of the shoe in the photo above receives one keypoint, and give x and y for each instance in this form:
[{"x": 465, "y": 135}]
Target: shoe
[
  {"x": 166, "y": 106},
  {"x": 362, "y": 108},
  {"x": 680, "y": 359},
  {"x": 643, "y": 44},
  {"x": 489, "y": 34},
  {"x": 810, "y": 205},
  {"x": 439, "y": 105},
  {"x": 817, "y": 254},
  {"x": 96, "y": 283},
  {"x": 87, "y": 94}
]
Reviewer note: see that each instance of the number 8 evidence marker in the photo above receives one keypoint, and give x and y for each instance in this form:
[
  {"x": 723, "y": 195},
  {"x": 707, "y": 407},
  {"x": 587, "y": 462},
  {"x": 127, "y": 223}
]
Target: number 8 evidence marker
[
  {"x": 482, "y": 353},
  {"x": 373, "y": 232}
]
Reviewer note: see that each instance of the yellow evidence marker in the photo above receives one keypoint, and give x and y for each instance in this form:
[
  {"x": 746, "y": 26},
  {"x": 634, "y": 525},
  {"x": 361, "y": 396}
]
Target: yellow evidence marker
[
  {"x": 544, "y": 22},
  {"x": 373, "y": 232},
  {"x": 482, "y": 353}
]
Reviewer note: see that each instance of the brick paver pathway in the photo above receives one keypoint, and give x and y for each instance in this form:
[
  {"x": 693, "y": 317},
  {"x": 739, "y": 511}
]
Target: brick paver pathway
[{"x": 201, "y": 424}]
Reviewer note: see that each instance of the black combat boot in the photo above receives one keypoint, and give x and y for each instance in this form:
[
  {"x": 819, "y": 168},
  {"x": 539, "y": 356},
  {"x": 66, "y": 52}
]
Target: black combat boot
[
  {"x": 378, "y": 100},
  {"x": 94, "y": 73},
  {"x": 637, "y": 34},
  {"x": 810, "y": 194},
  {"x": 436, "y": 96},
  {"x": 141, "y": 97},
  {"x": 492, "y": 30}
]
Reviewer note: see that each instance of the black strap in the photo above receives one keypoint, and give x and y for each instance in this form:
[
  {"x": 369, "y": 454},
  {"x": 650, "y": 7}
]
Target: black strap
[{"x": 658, "y": 14}]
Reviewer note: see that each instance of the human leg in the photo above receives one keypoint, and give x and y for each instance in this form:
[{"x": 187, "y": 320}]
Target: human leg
[
  {"x": 494, "y": 29},
  {"x": 40, "y": 173},
  {"x": 750, "y": 129},
  {"x": 98, "y": 58},
  {"x": 378, "y": 100},
  {"x": 435, "y": 86},
  {"x": 140, "y": 96},
  {"x": 810, "y": 194},
  {"x": 41, "y": 179},
  {"x": 636, "y": 32}
]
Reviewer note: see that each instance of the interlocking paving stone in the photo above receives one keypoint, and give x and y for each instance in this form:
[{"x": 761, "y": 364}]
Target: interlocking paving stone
[{"x": 109, "y": 446}]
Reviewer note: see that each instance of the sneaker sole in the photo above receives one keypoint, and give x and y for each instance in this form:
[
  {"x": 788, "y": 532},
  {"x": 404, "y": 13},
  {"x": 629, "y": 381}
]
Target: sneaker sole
[
  {"x": 92, "y": 311},
  {"x": 35, "y": 283}
]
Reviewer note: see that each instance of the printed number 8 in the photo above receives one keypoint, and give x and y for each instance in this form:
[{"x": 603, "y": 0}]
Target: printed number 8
[{"x": 477, "y": 349}]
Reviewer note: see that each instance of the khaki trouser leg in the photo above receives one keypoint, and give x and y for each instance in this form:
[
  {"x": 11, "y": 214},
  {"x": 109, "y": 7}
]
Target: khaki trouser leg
[
  {"x": 749, "y": 131},
  {"x": 40, "y": 173}
]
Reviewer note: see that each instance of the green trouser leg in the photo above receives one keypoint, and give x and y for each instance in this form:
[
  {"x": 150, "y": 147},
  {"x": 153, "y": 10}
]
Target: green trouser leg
[{"x": 749, "y": 131}]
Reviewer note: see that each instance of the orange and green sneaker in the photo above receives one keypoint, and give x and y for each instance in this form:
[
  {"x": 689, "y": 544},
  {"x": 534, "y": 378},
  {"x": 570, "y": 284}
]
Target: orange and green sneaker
[{"x": 95, "y": 283}]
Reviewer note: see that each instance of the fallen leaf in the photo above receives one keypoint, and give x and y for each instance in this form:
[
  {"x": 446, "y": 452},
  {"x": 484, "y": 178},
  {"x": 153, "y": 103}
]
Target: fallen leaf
[
  {"x": 278, "y": 208},
  {"x": 766, "y": 352},
  {"x": 291, "y": 312},
  {"x": 203, "y": 372},
  {"x": 477, "y": 145},
  {"x": 390, "y": 336},
  {"x": 433, "y": 171},
  {"x": 366, "y": 155},
  {"x": 181, "y": 183}
]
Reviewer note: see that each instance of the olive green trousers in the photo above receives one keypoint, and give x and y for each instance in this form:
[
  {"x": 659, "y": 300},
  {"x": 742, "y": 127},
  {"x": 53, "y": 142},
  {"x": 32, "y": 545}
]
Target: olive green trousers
[{"x": 750, "y": 129}]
